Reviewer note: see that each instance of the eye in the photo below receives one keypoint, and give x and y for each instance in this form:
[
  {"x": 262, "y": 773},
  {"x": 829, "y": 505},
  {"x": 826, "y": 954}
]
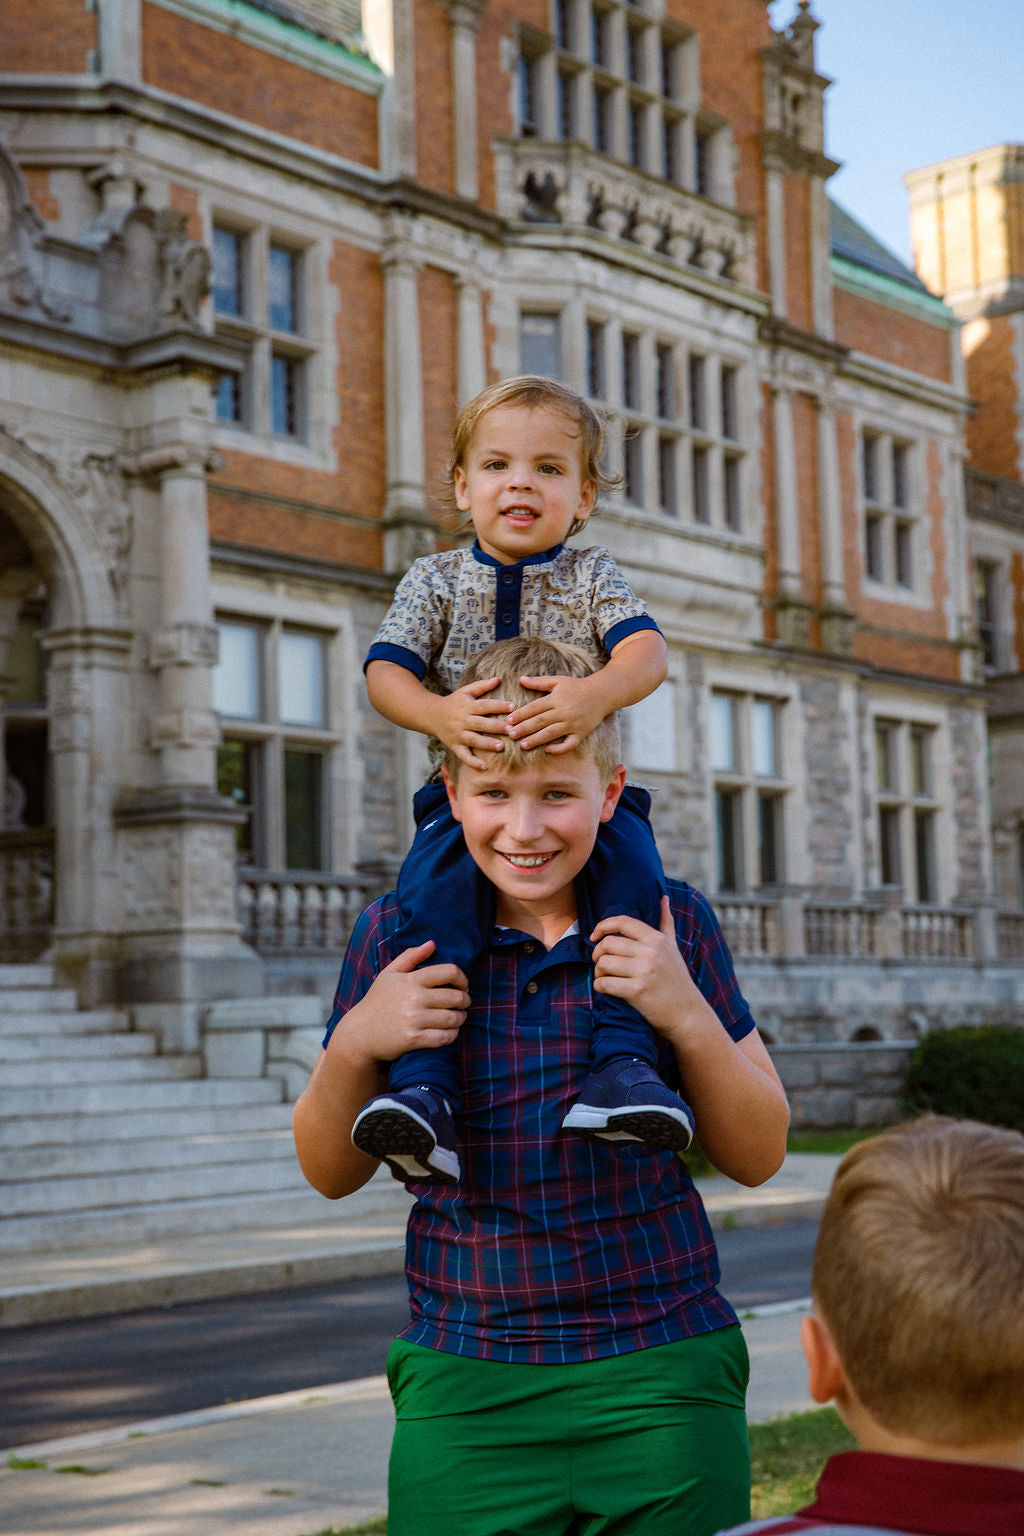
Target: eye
[
  {"x": 495, "y": 464},
  {"x": 550, "y": 469}
]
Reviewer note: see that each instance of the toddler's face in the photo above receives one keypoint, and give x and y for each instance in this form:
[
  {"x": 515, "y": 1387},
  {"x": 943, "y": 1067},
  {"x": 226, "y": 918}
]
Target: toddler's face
[{"x": 522, "y": 482}]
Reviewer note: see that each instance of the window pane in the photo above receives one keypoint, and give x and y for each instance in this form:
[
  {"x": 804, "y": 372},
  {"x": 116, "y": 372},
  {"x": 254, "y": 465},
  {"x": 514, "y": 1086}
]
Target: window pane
[
  {"x": 904, "y": 554},
  {"x": 728, "y": 837},
  {"x": 236, "y": 677},
  {"x": 226, "y": 276},
  {"x": 764, "y": 751},
  {"x": 652, "y": 731},
  {"x": 924, "y": 855},
  {"x": 874, "y": 556},
  {"x": 633, "y": 456},
  {"x": 631, "y": 370},
  {"x": 701, "y": 486},
  {"x": 698, "y": 403},
  {"x": 528, "y": 97},
  {"x": 596, "y": 377},
  {"x": 284, "y": 396},
  {"x": 920, "y": 761},
  {"x": 899, "y": 475},
  {"x": 602, "y": 119},
  {"x": 668, "y": 499},
  {"x": 724, "y": 754},
  {"x": 600, "y": 29},
  {"x": 669, "y": 69},
  {"x": 303, "y": 809},
  {"x": 566, "y": 104},
  {"x": 985, "y": 611},
  {"x": 228, "y": 399},
  {"x": 237, "y": 779},
  {"x": 702, "y": 164},
  {"x": 665, "y": 380},
  {"x": 563, "y": 19},
  {"x": 540, "y": 345},
  {"x": 635, "y": 127},
  {"x": 26, "y": 749},
  {"x": 672, "y": 160},
  {"x": 732, "y": 484},
  {"x": 282, "y": 289},
  {"x": 885, "y": 757},
  {"x": 769, "y": 832},
  {"x": 730, "y": 414},
  {"x": 889, "y": 845},
  {"x": 869, "y": 467},
  {"x": 301, "y": 679}
]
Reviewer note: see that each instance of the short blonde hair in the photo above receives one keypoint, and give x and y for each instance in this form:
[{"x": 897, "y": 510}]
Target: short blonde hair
[
  {"x": 533, "y": 392},
  {"x": 918, "y": 1274},
  {"x": 532, "y": 656}
]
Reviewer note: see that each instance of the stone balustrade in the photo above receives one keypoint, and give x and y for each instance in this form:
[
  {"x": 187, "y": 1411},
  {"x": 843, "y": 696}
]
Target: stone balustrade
[
  {"x": 26, "y": 894},
  {"x": 289, "y": 912},
  {"x": 571, "y": 185}
]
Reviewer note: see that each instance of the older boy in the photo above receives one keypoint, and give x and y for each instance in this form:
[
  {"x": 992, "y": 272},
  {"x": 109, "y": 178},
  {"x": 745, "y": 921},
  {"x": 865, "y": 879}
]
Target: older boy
[
  {"x": 569, "y": 1365},
  {"x": 918, "y": 1335}
]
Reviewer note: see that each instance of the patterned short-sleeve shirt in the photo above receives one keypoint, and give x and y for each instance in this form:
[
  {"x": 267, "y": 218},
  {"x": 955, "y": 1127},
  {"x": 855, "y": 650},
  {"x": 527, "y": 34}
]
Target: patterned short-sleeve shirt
[
  {"x": 553, "y": 1248},
  {"x": 451, "y": 606}
]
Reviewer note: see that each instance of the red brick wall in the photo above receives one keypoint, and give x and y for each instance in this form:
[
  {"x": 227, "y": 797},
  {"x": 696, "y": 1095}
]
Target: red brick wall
[
  {"x": 993, "y": 383},
  {"x": 259, "y": 518},
  {"x": 438, "y": 331},
  {"x": 798, "y": 252},
  {"x": 37, "y": 184},
  {"x": 52, "y": 38},
  {"x": 433, "y": 74},
  {"x": 805, "y": 436},
  {"x": 231, "y": 76},
  {"x": 1017, "y": 586},
  {"x": 891, "y": 336}
]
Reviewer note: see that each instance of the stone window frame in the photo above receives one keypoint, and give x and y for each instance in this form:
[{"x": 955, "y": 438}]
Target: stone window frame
[
  {"x": 267, "y": 348},
  {"x": 268, "y": 737},
  {"x": 987, "y": 580},
  {"x": 752, "y": 805},
  {"x": 624, "y": 80},
  {"x": 908, "y": 812},
  {"x": 890, "y": 486},
  {"x": 682, "y": 459}
]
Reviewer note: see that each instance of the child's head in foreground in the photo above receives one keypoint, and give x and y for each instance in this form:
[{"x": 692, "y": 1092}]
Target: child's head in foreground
[
  {"x": 525, "y": 656},
  {"x": 535, "y": 398},
  {"x": 918, "y": 1278}
]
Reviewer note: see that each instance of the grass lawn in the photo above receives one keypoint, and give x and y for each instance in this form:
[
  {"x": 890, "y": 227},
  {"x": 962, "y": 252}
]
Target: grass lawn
[{"x": 786, "y": 1456}]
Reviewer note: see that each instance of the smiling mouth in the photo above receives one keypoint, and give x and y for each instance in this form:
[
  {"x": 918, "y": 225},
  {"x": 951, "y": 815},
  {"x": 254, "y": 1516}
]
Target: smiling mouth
[
  {"x": 528, "y": 860},
  {"x": 520, "y": 512}
]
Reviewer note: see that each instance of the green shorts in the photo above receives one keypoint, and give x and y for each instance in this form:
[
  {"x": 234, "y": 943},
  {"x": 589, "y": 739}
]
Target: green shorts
[{"x": 652, "y": 1443}]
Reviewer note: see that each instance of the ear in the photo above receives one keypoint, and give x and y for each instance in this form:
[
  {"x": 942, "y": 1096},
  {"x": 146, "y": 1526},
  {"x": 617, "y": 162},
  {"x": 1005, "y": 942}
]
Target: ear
[
  {"x": 826, "y": 1378},
  {"x": 616, "y": 784},
  {"x": 452, "y": 789},
  {"x": 587, "y": 501},
  {"x": 461, "y": 489}
]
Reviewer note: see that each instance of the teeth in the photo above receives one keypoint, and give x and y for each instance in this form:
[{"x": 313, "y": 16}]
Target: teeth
[{"x": 527, "y": 860}]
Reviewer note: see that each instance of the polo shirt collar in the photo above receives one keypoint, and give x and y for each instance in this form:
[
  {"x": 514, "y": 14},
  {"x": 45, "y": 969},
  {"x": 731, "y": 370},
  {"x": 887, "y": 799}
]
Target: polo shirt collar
[
  {"x": 543, "y": 558},
  {"x": 903, "y": 1493}
]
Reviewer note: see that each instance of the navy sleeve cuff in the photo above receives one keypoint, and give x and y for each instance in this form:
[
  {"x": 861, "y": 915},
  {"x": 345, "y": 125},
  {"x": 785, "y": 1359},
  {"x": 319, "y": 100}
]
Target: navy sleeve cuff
[
  {"x": 628, "y": 627},
  {"x": 401, "y": 657}
]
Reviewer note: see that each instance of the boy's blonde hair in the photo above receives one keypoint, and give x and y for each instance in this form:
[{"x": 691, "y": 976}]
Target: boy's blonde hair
[
  {"x": 526, "y": 656},
  {"x": 533, "y": 392},
  {"x": 919, "y": 1274}
]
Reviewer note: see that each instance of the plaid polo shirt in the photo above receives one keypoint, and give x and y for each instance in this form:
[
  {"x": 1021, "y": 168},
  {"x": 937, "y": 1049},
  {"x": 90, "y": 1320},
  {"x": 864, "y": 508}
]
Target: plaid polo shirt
[
  {"x": 449, "y": 607},
  {"x": 553, "y": 1248}
]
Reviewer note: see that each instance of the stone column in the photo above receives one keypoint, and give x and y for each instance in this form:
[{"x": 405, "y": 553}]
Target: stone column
[
  {"x": 120, "y": 28},
  {"x": 472, "y": 352},
  {"x": 464, "y": 18},
  {"x": 408, "y": 530},
  {"x": 837, "y": 619},
  {"x": 792, "y": 608},
  {"x": 775, "y": 217}
]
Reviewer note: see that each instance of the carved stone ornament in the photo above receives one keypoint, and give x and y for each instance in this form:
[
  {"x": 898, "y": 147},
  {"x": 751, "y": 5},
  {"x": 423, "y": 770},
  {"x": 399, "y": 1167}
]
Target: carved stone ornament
[
  {"x": 21, "y": 260},
  {"x": 97, "y": 484},
  {"x": 184, "y": 271}
]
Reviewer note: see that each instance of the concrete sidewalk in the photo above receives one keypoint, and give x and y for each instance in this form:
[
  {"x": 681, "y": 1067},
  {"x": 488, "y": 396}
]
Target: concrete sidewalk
[
  {"x": 293, "y": 1465},
  {"x": 360, "y": 1236},
  {"x": 304, "y": 1462}
]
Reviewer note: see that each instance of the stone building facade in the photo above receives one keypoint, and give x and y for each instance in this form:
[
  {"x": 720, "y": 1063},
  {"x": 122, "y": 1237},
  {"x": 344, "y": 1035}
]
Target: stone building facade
[{"x": 254, "y": 254}]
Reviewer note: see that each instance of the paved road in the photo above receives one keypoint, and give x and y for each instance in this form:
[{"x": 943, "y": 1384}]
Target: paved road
[{"x": 70, "y": 1378}]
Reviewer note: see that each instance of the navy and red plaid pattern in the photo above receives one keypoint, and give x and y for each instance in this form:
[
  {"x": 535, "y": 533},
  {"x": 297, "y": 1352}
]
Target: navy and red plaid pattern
[{"x": 553, "y": 1248}]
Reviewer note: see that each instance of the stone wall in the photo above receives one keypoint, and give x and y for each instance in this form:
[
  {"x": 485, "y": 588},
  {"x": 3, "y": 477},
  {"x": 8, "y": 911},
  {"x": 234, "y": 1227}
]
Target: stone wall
[{"x": 854, "y": 1084}]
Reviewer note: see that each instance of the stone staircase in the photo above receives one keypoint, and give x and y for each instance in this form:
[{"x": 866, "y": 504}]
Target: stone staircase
[{"x": 103, "y": 1141}]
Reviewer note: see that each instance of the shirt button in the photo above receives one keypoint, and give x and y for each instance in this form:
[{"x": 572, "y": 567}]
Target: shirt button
[
  {"x": 507, "y": 581},
  {"x": 528, "y": 949},
  {"x": 506, "y": 618},
  {"x": 531, "y": 986}
]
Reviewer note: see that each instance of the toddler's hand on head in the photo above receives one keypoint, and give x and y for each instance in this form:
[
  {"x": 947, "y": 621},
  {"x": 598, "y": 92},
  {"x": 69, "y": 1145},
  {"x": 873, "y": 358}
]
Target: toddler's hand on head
[
  {"x": 473, "y": 724},
  {"x": 559, "y": 718}
]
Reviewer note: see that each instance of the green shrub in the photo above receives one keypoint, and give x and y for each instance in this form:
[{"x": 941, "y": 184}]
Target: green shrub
[{"x": 971, "y": 1073}]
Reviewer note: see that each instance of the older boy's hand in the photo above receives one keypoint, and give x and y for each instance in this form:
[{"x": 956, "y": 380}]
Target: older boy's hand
[
  {"x": 567, "y": 710},
  {"x": 405, "y": 1009},
  {"x": 644, "y": 966},
  {"x": 469, "y": 723}
]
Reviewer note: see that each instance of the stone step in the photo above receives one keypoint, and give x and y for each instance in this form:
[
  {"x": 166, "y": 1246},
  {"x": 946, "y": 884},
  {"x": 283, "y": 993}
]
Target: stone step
[
  {"x": 106, "y": 1098},
  {"x": 85, "y": 1022},
  {"x": 37, "y": 974},
  {"x": 39, "y": 1047},
  {"x": 150, "y": 1152},
  {"x": 108, "y": 1071},
  {"x": 72, "y": 1128},
  {"x": 183, "y": 1186},
  {"x": 144, "y": 1223},
  {"x": 14, "y": 1000}
]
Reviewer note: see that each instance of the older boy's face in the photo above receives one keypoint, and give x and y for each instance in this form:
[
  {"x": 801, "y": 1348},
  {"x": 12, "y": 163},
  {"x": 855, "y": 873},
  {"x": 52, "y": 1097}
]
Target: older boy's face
[
  {"x": 522, "y": 482},
  {"x": 532, "y": 830}
]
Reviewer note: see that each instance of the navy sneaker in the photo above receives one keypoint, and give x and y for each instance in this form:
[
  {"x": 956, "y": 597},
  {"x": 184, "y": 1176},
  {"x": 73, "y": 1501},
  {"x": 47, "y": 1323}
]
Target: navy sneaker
[
  {"x": 413, "y": 1132},
  {"x": 627, "y": 1101}
]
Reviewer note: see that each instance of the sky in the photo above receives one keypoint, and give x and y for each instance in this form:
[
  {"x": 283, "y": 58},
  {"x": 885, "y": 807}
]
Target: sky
[{"x": 916, "y": 81}]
